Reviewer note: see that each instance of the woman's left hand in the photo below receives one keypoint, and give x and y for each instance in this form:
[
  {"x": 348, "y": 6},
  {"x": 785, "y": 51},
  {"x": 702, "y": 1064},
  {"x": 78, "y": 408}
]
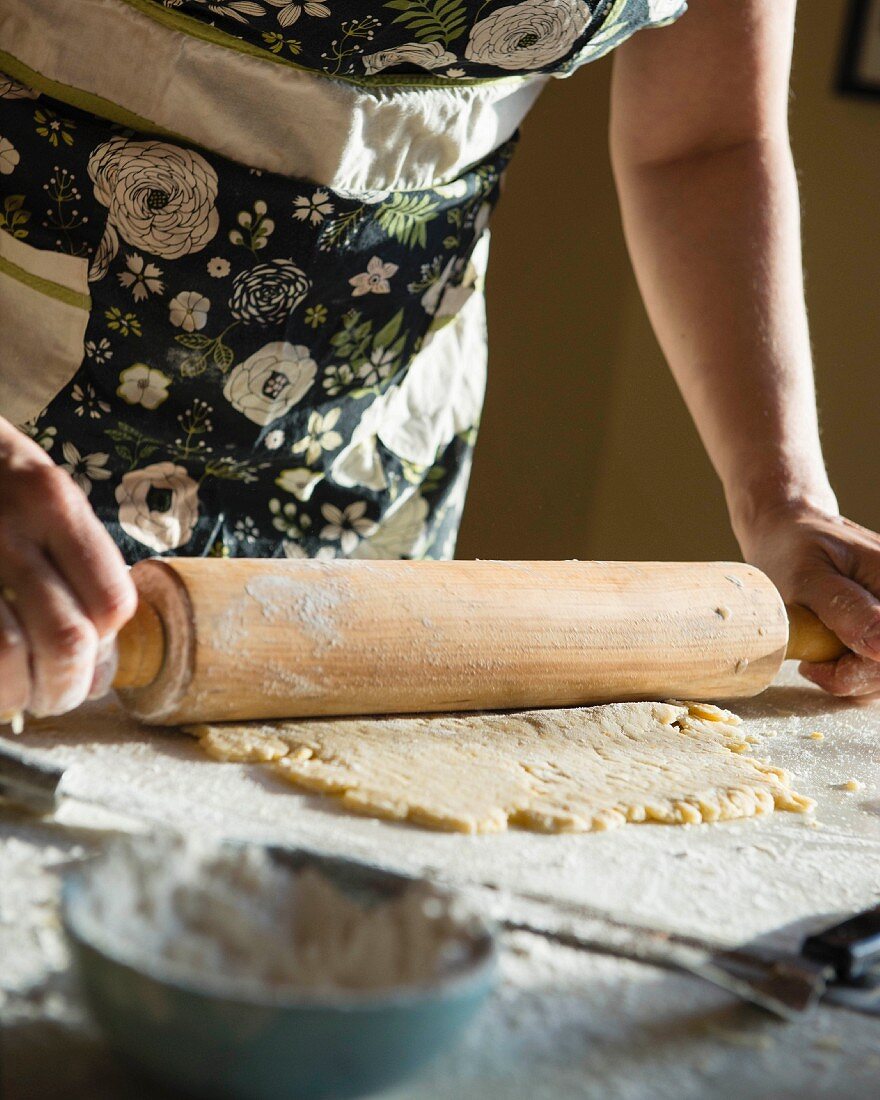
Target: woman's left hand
[{"x": 832, "y": 566}]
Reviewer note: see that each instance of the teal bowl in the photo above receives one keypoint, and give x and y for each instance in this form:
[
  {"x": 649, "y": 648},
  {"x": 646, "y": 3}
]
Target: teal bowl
[{"x": 222, "y": 1045}]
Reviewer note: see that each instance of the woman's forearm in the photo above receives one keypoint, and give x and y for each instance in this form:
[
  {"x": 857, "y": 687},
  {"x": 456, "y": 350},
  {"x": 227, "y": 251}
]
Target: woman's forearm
[{"x": 715, "y": 243}]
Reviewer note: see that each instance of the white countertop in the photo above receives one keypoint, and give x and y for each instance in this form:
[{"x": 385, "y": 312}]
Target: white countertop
[{"x": 563, "y": 1023}]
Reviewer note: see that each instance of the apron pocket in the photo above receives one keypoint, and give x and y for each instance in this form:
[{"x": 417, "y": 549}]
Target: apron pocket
[{"x": 44, "y": 310}]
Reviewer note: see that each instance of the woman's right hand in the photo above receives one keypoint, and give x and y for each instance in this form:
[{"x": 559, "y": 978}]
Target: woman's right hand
[{"x": 64, "y": 589}]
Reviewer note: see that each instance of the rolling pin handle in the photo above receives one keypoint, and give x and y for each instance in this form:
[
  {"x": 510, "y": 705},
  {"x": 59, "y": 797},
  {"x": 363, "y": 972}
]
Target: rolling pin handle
[
  {"x": 140, "y": 647},
  {"x": 809, "y": 639}
]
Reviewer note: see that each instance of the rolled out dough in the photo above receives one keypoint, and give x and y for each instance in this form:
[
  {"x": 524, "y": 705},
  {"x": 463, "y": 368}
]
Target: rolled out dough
[{"x": 570, "y": 770}]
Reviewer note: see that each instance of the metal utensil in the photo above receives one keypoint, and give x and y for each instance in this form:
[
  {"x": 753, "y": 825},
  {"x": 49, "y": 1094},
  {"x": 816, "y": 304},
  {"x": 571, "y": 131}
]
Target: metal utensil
[
  {"x": 783, "y": 983},
  {"x": 28, "y": 781}
]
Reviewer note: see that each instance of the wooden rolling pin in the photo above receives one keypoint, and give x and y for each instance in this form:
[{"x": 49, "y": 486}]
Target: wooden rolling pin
[{"x": 218, "y": 639}]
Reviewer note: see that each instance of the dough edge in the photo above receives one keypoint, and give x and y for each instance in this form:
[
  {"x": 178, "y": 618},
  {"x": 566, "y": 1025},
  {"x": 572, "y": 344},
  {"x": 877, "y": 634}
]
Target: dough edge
[{"x": 300, "y": 765}]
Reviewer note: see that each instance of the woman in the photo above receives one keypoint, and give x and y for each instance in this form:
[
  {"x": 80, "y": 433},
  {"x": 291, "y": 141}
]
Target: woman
[{"x": 241, "y": 264}]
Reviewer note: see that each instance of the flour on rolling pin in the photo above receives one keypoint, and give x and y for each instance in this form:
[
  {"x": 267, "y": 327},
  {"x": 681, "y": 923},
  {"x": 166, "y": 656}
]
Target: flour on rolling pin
[
  {"x": 315, "y": 608},
  {"x": 188, "y": 909}
]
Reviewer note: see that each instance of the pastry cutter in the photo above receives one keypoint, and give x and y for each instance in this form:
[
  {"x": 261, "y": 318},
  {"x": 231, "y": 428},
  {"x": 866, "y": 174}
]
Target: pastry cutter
[{"x": 850, "y": 952}]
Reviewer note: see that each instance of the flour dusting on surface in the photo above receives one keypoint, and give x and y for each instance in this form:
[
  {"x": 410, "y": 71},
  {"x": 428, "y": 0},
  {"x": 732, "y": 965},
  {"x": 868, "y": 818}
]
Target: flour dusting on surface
[{"x": 230, "y": 915}]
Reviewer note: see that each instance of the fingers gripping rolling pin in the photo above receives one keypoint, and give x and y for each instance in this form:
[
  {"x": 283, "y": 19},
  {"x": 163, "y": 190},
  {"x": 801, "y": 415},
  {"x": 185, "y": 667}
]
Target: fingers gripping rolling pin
[{"x": 219, "y": 639}]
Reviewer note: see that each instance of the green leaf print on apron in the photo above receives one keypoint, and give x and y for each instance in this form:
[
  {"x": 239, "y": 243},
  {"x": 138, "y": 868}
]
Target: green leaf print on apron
[
  {"x": 242, "y": 255},
  {"x": 269, "y": 367}
]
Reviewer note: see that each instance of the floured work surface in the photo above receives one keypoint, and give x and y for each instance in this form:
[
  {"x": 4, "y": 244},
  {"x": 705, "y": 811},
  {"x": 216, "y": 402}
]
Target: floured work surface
[
  {"x": 563, "y": 1023},
  {"x": 573, "y": 770},
  {"x": 733, "y": 880}
]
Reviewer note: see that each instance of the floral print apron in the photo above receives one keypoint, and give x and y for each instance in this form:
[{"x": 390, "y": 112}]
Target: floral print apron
[
  {"x": 232, "y": 360},
  {"x": 244, "y": 333},
  {"x": 452, "y": 40}
]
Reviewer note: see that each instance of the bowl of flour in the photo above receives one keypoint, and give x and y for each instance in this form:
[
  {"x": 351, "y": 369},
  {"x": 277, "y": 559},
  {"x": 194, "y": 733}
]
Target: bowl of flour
[{"x": 235, "y": 971}]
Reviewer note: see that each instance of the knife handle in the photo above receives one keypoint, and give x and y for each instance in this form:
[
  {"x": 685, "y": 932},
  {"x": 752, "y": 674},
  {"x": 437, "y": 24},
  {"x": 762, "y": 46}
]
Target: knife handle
[{"x": 850, "y": 948}]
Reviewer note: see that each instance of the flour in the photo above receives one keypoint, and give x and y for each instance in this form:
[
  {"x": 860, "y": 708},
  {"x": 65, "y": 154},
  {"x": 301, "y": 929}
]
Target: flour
[
  {"x": 231, "y": 916},
  {"x": 313, "y": 606},
  {"x": 15, "y": 720},
  {"x": 639, "y": 874}
]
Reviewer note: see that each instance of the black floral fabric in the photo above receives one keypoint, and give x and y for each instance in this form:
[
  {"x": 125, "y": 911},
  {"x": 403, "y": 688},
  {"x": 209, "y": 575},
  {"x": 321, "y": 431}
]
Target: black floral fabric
[
  {"x": 263, "y": 370},
  {"x": 270, "y": 367},
  {"x": 444, "y": 40}
]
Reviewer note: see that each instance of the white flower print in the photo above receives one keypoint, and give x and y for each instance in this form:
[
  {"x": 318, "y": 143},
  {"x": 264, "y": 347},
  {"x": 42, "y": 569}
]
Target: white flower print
[
  {"x": 87, "y": 401},
  {"x": 453, "y": 300},
  {"x": 439, "y": 397},
  {"x": 319, "y": 436},
  {"x": 290, "y": 12},
  {"x": 269, "y": 383},
  {"x": 143, "y": 279},
  {"x": 454, "y": 297},
  {"x": 337, "y": 378},
  {"x": 378, "y": 367},
  {"x": 300, "y": 482},
  {"x": 99, "y": 350},
  {"x": 315, "y": 208},
  {"x": 401, "y": 532},
  {"x": 429, "y": 55},
  {"x": 286, "y": 519},
  {"x": 233, "y": 9},
  {"x": 455, "y": 189},
  {"x": 431, "y": 297},
  {"x": 254, "y": 228},
  {"x": 295, "y": 550},
  {"x": 374, "y": 280},
  {"x": 104, "y": 254},
  {"x": 245, "y": 530},
  {"x": 159, "y": 197},
  {"x": 164, "y": 528},
  {"x": 9, "y": 157},
  {"x": 143, "y": 385},
  {"x": 454, "y": 74},
  {"x": 44, "y": 437},
  {"x": 11, "y": 89},
  {"x": 84, "y": 469},
  {"x": 268, "y": 292},
  {"x": 527, "y": 35},
  {"x": 189, "y": 310},
  {"x": 347, "y": 526},
  {"x": 218, "y": 268},
  {"x": 273, "y": 439}
]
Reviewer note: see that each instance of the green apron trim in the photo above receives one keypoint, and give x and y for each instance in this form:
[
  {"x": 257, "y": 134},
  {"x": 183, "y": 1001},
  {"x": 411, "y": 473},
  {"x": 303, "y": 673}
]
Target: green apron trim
[
  {"x": 45, "y": 286},
  {"x": 195, "y": 28},
  {"x": 85, "y": 101}
]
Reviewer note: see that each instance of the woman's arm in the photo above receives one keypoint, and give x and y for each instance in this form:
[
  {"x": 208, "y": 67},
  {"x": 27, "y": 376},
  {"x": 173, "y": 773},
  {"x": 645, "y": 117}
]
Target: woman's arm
[{"x": 708, "y": 193}]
